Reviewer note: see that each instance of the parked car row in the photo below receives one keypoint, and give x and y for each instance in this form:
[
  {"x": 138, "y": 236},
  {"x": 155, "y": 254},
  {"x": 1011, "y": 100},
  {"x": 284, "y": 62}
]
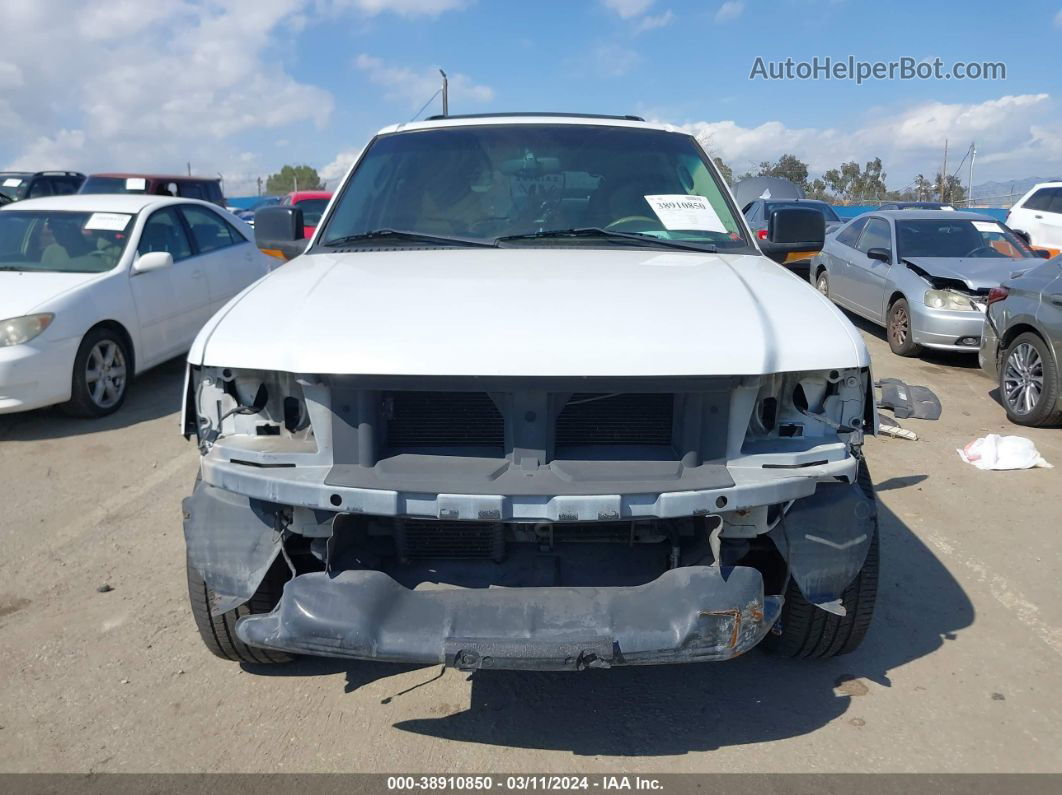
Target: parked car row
[
  {"x": 19, "y": 185},
  {"x": 955, "y": 281}
]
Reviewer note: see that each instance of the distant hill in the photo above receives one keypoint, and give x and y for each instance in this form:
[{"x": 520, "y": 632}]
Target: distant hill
[{"x": 1003, "y": 189}]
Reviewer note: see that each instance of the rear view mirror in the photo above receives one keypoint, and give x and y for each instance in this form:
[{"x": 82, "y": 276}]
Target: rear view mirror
[
  {"x": 152, "y": 261},
  {"x": 793, "y": 229},
  {"x": 882, "y": 254},
  {"x": 279, "y": 231}
]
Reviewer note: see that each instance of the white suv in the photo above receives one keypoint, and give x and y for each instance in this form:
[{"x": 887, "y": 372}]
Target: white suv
[
  {"x": 534, "y": 398},
  {"x": 1039, "y": 215}
]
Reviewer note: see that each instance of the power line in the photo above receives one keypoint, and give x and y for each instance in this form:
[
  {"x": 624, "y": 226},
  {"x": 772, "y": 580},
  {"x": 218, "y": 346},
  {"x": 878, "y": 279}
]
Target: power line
[{"x": 422, "y": 107}]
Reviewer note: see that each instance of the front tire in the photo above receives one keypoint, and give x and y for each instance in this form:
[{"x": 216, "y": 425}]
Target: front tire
[
  {"x": 102, "y": 369},
  {"x": 806, "y": 631},
  {"x": 1029, "y": 382},
  {"x": 219, "y": 632},
  {"x": 899, "y": 328},
  {"x": 822, "y": 283}
]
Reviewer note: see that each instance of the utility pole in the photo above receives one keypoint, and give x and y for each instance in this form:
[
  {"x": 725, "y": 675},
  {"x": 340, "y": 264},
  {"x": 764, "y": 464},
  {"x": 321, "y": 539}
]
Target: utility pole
[
  {"x": 969, "y": 182},
  {"x": 944, "y": 173},
  {"x": 259, "y": 186},
  {"x": 445, "y": 94},
  {"x": 189, "y": 164}
]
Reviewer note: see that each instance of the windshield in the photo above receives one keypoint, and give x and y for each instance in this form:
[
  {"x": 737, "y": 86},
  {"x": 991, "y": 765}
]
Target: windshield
[
  {"x": 114, "y": 185},
  {"x": 933, "y": 238},
  {"x": 490, "y": 182},
  {"x": 822, "y": 207},
  {"x": 62, "y": 241},
  {"x": 312, "y": 210},
  {"x": 13, "y": 186}
]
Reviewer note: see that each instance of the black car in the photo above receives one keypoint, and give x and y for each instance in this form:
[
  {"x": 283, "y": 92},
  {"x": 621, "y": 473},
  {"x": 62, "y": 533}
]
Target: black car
[{"x": 17, "y": 185}]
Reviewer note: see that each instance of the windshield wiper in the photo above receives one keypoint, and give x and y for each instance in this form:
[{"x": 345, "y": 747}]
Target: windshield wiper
[
  {"x": 402, "y": 234},
  {"x": 612, "y": 234}
]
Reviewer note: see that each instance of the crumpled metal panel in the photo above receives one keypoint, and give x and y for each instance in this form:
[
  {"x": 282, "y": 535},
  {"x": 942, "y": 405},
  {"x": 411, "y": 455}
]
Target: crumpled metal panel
[
  {"x": 687, "y": 614},
  {"x": 825, "y": 538},
  {"x": 232, "y": 541}
]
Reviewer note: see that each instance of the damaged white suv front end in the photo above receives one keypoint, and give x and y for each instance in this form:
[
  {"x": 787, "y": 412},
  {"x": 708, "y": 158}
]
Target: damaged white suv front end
[{"x": 502, "y": 448}]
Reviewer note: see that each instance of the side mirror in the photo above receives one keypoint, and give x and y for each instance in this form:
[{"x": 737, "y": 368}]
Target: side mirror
[
  {"x": 794, "y": 229},
  {"x": 152, "y": 261},
  {"x": 1041, "y": 253},
  {"x": 1023, "y": 235},
  {"x": 882, "y": 254},
  {"x": 279, "y": 231}
]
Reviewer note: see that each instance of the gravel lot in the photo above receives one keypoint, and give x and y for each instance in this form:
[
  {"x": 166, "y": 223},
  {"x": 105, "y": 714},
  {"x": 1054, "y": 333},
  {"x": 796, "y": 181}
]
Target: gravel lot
[{"x": 960, "y": 671}]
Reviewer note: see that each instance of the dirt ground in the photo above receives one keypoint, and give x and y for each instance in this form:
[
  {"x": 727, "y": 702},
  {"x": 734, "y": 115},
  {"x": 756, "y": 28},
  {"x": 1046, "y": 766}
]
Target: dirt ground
[{"x": 960, "y": 671}]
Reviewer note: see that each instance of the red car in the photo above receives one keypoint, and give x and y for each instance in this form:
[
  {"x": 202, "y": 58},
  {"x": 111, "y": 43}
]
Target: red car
[{"x": 312, "y": 203}]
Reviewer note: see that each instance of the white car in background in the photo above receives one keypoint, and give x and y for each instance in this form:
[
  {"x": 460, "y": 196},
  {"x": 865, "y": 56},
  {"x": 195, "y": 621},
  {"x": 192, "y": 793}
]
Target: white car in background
[
  {"x": 97, "y": 288},
  {"x": 1038, "y": 214}
]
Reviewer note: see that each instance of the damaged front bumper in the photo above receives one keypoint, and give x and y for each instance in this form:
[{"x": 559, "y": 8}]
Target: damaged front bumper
[{"x": 690, "y": 614}]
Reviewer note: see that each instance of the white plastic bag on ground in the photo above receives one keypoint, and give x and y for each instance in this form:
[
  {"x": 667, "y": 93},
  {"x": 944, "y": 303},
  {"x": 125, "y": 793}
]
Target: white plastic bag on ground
[{"x": 1002, "y": 452}]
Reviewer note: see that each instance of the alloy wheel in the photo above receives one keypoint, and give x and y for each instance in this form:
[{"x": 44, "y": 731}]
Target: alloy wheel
[
  {"x": 901, "y": 325},
  {"x": 1023, "y": 379},
  {"x": 105, "y": 374}
]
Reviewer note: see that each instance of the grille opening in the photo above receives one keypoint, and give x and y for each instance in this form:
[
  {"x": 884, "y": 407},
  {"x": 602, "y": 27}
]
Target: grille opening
[
  {"x": 616, "y": 419},
  {"x": 442, "y": 419}
]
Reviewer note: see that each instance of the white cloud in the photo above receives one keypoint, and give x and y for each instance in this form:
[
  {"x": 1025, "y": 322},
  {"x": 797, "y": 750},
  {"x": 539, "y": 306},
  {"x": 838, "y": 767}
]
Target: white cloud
[
  {"x": 729, "y": 11},
  {"x": 654, "y": 22},
  {"x": 337, "y": 169},
  {"x": 406, "y": 8},
  {"x": 149, "y": 86},
  {"x": 628, "y": 8},
  {"x": 135, "y": 85},
  {"x": 1058, "y": 20},
  {"x": 1013, "y": 134},
  {"x": 414, "y": 86}
]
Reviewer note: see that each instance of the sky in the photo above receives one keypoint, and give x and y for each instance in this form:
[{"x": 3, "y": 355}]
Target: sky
[{"x": 241, "y": 87}]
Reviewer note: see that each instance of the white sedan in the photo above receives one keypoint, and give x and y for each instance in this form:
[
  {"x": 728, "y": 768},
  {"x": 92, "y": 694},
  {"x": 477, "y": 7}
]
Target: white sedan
[{"x": 97, "y": 288}]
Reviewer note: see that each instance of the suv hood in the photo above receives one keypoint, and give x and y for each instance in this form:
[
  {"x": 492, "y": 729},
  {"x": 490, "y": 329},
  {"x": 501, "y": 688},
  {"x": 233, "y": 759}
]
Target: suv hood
[{"x": 530, "y": 312}]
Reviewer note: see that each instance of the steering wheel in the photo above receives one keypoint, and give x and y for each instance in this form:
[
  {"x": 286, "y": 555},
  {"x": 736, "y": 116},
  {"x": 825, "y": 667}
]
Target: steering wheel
[
  {"x": 629, "y": 219},
  {"x": 990, "y": 250}
]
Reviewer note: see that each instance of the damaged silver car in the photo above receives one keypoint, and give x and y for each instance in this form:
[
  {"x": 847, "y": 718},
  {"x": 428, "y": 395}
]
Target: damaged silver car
[
  {"x": 924, "y": 275},
  {"x": 531, "y": 398}
]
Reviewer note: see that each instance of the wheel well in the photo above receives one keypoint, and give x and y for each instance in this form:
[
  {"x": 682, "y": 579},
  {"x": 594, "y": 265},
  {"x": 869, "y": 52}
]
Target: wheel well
[
  {"x": 1015, "y": 332},
  {"x": 819, "y": 270},
  {"x": 896, "y": 296},
  {"x": 118, "y": 328}
]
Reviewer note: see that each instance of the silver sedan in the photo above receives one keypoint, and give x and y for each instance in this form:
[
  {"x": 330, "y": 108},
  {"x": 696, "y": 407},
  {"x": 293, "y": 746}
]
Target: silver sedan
[{"x": 922, "y": 274}]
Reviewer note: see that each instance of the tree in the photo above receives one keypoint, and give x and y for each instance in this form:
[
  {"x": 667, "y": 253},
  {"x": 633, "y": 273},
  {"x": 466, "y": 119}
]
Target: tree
[
  {"x": 949, "y": 189},
  {"x": 818, "y": 190},
  {"x": 923, "y": 188},
  {"x": 788, "y": 167},
  {"x": 291, "y": 178},
  {"x": 850, "y": 182},
  {"x": 725, "y": 170}
]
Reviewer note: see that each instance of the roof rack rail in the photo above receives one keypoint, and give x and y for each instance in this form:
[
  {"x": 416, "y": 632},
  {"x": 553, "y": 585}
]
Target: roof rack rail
[{"x": 627, "y": 117}]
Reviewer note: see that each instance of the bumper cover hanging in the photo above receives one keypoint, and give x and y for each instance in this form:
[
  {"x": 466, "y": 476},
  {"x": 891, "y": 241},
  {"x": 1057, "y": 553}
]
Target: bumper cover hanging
[{"x": 688, "y": 614}]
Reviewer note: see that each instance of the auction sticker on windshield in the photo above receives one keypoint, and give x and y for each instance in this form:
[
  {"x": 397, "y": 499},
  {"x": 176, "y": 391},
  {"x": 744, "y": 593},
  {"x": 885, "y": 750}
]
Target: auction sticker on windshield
[
  {"x": 12, "y": 182},
  {"x": 986, "y": 226},
  {"x": 136, "y": 183},
  {"x": 685, "y": 212},
  {"x": 110, "y": 222}
]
